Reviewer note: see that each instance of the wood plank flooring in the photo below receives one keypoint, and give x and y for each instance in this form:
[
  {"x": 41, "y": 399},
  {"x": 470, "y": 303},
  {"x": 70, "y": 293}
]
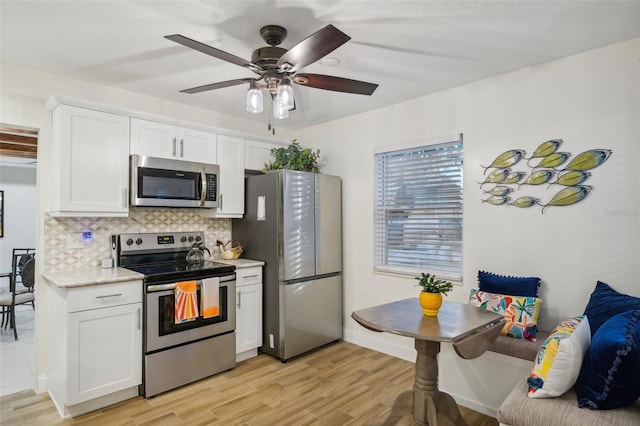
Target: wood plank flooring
[{"x": 339, "y": 384}]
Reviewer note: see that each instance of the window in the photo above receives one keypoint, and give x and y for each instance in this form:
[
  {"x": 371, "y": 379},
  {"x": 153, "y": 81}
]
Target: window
[{"x": 418, "y": 210}]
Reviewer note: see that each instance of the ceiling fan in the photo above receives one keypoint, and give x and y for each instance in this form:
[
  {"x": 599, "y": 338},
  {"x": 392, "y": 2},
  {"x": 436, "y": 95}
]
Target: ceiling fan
[{"x": 276, "y": 67}]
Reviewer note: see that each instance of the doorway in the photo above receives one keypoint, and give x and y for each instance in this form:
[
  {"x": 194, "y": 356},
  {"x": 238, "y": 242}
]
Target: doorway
[{"x": 18, "y": 156}]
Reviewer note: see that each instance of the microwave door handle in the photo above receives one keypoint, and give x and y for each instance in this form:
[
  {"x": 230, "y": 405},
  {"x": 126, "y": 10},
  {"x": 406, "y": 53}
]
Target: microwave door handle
[{"x": 203, "y": 189}]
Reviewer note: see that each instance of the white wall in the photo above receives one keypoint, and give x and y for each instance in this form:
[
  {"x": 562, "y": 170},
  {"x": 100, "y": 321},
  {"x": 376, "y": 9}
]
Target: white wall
[
  {"x": 20, "y": 207},
  {"x": 591, "y": 100}
]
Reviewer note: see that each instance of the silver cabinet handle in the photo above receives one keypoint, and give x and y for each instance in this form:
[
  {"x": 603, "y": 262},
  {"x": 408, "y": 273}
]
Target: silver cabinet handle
[
  {"x": 139, "y": 319},
  {"x": 109, "y": 295},
  {"x": 250, "y": 276},
  {"x": 239, "y": 298},
  {"x": 125, "y": 200},
  {"x": 220, "y": 204},
  {"x": 181, "y": 148},
  {"x": 174, "y": 147}
]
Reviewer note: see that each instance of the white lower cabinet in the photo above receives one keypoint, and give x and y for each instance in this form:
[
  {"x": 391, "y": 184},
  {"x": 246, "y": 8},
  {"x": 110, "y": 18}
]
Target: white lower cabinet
[
  {"x": 96, "y": 355},
  {"x": 248, "y": 312}
]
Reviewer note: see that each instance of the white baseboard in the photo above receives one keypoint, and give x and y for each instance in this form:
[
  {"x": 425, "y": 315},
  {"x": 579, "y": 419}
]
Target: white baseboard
[{"x": 41, "y": 384}]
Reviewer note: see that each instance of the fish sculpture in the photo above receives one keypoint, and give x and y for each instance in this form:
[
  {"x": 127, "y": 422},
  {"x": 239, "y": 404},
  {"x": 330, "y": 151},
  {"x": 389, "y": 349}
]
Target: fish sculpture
[
  {"x": 497, "y": 200},
  {"x": 539, "y": 177},
  {"x": 514, "y": 177},
  {"x": 588, "y": 160},
  {"x": 506, "y": 159},
  {"x": 526, "y": 201},
  {"x": 571, "y": 178},
  {"x": 553, "y": 160},
  {"x": 496, "y": 176},
  {"x": 499, "y": 190},
  {"x": 569, "y": 196}
]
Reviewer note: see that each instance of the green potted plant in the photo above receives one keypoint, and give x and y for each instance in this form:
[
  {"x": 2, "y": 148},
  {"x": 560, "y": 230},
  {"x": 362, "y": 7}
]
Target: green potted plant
[
  {"x": 431, "y": 294},
  {"x": 294, "y": 157}
]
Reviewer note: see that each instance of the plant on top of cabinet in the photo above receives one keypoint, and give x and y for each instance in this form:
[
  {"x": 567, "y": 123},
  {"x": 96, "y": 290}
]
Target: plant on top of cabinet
[{"x": 294, "y": 157}]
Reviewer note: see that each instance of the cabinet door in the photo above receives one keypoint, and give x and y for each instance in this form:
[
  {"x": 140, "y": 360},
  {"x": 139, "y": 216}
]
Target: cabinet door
[
  {"x": 105, "y": 351},
  {"x": 257, "y": 154},
  {"x": 248, "y": 317},
  {"x": 91, "y": 157},
  {"x": 196, "y": 145},
  {"x": 154, "y": 139},
  {"x": 231, "y": 161}
]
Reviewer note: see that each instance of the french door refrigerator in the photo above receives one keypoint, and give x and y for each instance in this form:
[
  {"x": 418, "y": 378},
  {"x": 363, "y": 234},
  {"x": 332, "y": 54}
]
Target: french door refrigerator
[{"x": 293, "y": 222}]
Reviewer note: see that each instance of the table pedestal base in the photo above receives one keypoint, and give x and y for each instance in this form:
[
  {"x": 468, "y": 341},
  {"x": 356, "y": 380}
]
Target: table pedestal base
[{"x": 426, "y": 402}]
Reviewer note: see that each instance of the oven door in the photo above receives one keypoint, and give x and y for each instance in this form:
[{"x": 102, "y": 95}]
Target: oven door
[{"x": 161, "y": 331}]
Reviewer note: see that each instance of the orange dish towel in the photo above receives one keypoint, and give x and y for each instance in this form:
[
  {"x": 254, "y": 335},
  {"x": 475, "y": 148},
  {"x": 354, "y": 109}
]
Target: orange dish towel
[
  {"x": 186, "y": 295},
  {"x": 209, "y": 297}
]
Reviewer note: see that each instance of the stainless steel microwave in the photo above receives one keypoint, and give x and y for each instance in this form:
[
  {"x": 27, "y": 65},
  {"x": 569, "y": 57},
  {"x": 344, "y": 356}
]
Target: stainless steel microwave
[{"x": 161, "y": 182}]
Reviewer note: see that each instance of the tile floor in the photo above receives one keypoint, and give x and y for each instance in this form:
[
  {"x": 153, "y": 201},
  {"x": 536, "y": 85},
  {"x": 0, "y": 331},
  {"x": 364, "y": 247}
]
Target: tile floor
[{"x": 17, "y": 357}]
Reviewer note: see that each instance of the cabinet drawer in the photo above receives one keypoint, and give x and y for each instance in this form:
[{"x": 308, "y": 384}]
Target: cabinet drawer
[
  {"x": 246, "y": 276},
  {"x": 104, "y": 295}
]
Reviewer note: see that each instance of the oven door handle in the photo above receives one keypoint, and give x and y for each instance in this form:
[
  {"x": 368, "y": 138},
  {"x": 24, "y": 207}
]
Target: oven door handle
[{"x": 172, "y": 286}]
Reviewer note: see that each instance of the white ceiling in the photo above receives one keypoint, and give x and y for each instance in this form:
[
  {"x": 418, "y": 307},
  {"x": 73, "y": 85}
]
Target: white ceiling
[{"x": 410, "y": 48}]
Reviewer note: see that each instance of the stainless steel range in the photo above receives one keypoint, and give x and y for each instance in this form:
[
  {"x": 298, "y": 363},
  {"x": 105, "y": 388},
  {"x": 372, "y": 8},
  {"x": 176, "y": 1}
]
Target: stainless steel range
[{"x": 175, "y": 354}]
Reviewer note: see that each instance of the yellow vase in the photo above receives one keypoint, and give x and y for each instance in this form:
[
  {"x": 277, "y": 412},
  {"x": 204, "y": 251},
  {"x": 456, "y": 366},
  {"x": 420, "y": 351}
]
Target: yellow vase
[{"x": 430, "y": 303}]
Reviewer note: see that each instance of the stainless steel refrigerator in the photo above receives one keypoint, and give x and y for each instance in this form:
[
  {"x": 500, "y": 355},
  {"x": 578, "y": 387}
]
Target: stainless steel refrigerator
[{"x": 293, "y": 222}]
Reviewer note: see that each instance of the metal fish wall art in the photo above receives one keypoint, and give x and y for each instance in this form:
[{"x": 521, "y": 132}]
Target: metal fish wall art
[
  {"x": 569, "y": 195},
  {"x": 545, "y": 166},
  {"x": 506, "y": 159}
]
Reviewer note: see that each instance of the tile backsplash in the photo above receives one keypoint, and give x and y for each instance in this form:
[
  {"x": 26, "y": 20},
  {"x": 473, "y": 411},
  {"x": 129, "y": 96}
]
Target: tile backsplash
[{"x": 58, "y": 257}]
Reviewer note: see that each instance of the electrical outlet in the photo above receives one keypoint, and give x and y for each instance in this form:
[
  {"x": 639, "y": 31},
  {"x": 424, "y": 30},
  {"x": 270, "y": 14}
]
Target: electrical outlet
[
  {"x": 272, "y": 344},
  {"x": 79, "y": 240}
]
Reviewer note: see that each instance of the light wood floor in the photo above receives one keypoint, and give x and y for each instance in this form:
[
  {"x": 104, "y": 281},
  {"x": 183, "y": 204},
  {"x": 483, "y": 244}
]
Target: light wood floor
[{"x": 340, "y": 384}]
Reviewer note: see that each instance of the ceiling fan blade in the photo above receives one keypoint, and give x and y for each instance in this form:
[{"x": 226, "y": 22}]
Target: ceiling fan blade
[
  {"x": 312, "y": 48},
  {"x": 337, "y": 84},
  {"x": 219, "y": 85},
  {"x": 212, "y": 51}
]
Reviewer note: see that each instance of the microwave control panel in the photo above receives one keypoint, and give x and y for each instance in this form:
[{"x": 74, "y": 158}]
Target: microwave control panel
[{"x": 212, "y": 186}]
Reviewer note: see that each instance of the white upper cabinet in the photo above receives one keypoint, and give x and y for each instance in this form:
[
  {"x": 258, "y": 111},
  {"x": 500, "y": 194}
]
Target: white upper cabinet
[
  {"x": 167, "y": 141},
  {"x": 231, "y": 161},
  {"x": 257, "y": 154},
  {"x": 90, "y": 162}
]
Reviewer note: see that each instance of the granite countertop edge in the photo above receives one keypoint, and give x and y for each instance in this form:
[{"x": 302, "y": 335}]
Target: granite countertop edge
[
  {"x": 90, "y": 276},
  {"x": 241, "y": 263}
]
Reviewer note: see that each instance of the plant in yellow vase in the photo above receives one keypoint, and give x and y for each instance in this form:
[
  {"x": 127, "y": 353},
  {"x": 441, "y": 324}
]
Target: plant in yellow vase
[{"x": 431, "y": 294}]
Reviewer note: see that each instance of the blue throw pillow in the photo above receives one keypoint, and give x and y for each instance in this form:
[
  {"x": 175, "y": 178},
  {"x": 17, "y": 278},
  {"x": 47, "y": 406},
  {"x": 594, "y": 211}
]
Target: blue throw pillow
[
  {"x": 513, "y": 286},
  {"x": 609, "y": 377},
  {"x": 605, "y": 303}
]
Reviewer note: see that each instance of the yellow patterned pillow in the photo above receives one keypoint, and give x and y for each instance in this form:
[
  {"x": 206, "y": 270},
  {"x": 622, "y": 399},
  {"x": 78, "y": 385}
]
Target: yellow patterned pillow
[{"x": 559, "y": 359}]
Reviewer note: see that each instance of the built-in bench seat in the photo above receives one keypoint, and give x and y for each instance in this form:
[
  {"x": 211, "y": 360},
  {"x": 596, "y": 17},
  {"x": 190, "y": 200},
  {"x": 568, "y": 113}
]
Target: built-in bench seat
[{"x": 520, "y": 410}]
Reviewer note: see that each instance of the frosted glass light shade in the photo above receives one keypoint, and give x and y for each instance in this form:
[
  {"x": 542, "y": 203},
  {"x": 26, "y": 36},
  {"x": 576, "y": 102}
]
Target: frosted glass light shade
[
  {"x": 284, "y": 95},
  {"x": 279, "y": 110},
  {"x": 254, "y": 100}
]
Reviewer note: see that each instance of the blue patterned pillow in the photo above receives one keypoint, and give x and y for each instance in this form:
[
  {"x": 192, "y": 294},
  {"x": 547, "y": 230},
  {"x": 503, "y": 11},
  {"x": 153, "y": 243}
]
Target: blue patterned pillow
[
  {"x": 515, "y": 286},
  {"x": 610, "y": 377},
  {"x": 605, "y": 303}
]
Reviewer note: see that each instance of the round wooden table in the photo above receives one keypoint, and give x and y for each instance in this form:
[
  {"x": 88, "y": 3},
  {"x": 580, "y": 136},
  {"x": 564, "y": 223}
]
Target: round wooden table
[{"x": 469, "y": 329}]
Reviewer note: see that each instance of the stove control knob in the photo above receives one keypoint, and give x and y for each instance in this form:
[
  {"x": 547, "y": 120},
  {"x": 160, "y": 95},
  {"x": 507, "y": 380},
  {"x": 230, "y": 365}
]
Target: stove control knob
[
  {"x": 139, "y": 241},
  {"x": 190, "y": 238},
  {"x": 198, "y": 238},
  {"x": 183, "y": 239},
  {"x": 130, "y": 241}
]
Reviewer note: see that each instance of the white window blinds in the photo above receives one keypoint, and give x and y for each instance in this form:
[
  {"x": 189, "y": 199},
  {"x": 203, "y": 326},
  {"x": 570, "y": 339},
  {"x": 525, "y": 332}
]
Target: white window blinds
[{"x": 418, "y": 210}]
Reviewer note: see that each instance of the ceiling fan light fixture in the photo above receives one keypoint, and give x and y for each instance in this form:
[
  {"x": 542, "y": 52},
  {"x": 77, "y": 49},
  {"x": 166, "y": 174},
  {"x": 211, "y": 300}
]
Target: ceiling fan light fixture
[
  {"x": 254, "y": 99},
  {"x": 279, "y": 110},
  {"x": 284, "y": 94}
]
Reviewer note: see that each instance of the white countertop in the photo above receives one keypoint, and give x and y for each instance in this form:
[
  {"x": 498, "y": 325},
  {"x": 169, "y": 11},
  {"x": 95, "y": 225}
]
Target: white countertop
[
  {"x": 90, "y": 276},
  {"x": 94, "y": 276},
  {"x": 241, "y": 263}
]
